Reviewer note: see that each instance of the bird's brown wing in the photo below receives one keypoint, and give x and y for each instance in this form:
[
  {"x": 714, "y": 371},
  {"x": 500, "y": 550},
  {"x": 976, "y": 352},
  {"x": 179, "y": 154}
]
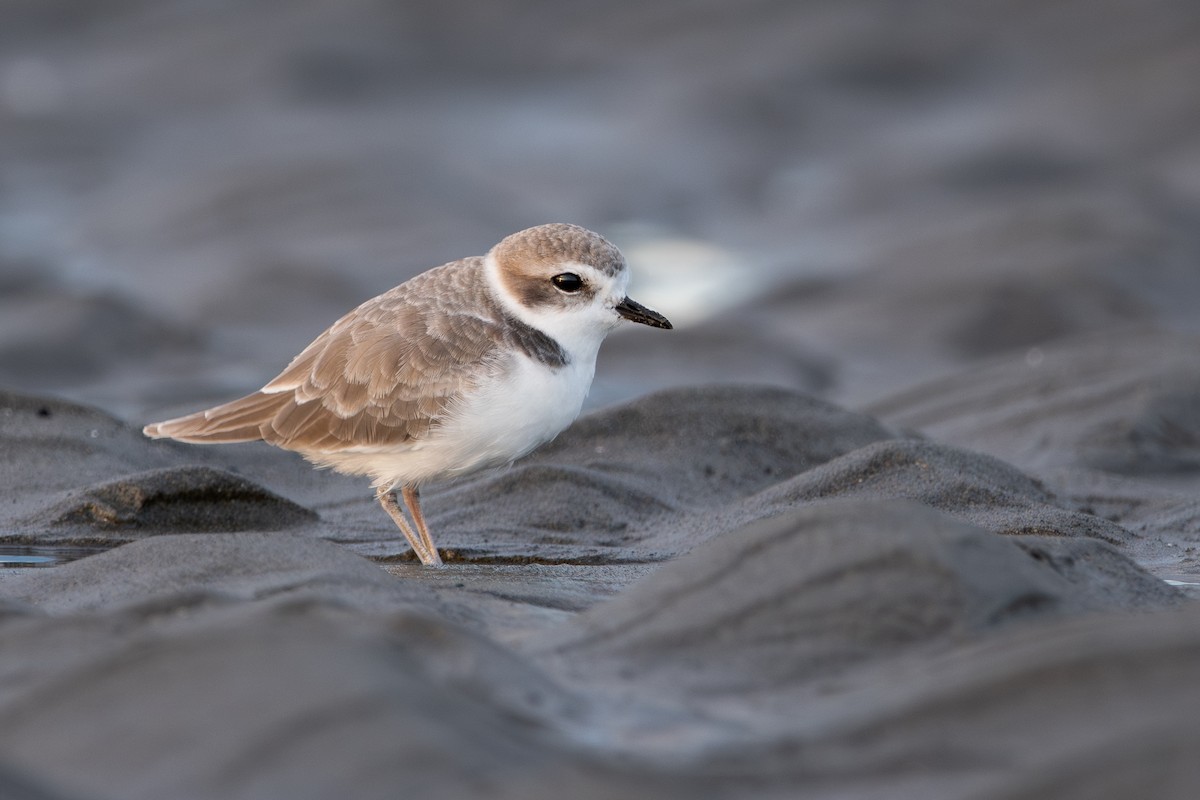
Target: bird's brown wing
[{"x": 384, "y": 374}]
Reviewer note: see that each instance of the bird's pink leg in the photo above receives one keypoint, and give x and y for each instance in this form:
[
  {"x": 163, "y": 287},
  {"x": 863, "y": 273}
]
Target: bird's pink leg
[
  {"x": 412, "y": 501},
  {"x": 387, "y": 499}
]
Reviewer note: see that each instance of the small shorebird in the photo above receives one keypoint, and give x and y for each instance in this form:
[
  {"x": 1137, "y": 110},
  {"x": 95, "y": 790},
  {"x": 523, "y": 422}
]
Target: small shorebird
[{"x": 470, "y": 365}]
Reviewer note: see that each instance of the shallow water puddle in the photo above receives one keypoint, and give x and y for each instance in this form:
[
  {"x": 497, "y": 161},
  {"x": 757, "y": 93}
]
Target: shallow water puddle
[{"x": 30, "y": 555}]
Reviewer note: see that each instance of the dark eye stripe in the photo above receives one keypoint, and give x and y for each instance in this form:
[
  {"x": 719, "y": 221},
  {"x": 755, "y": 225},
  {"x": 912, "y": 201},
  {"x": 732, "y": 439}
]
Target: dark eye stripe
[{"x": 568, "y": 282}]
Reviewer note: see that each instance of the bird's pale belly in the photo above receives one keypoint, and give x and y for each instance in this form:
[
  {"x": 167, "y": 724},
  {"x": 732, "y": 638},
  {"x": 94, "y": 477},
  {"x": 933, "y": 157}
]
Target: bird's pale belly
[{"x": 526, "y": 407}]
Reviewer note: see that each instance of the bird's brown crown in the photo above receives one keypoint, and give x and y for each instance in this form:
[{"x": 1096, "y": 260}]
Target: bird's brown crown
[{"x": 545, "y": 246}]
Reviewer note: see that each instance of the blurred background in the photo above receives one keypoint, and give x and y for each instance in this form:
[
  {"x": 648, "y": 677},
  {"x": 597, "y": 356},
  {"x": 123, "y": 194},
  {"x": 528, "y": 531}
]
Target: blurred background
[{"x": 846, "y": 197}]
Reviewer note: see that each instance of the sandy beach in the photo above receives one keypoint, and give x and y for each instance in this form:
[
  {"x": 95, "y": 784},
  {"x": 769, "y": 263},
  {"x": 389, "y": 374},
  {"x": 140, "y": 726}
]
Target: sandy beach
[{"x": 907, "y": 506}]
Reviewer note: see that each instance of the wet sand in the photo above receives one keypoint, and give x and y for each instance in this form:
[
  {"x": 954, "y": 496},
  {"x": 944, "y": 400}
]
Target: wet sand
[{"x": 908, "y": 509}]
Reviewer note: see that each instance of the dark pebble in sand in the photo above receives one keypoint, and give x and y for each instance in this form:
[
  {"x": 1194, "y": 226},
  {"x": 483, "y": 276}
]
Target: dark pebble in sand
[{"x": 189, "y": 498}]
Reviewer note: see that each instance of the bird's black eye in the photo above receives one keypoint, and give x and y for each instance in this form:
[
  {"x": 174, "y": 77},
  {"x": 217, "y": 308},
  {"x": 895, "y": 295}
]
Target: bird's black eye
[{"x": 568, "y": 282}]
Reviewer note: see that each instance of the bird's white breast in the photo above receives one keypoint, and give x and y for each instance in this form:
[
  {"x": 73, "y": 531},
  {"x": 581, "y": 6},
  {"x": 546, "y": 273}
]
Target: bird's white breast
[{"x": 523, "y": 406}]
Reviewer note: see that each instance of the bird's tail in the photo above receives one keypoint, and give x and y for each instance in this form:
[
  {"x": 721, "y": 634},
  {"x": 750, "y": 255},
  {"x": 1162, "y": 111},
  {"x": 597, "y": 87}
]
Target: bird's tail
[{"x": 242, "y": 420}]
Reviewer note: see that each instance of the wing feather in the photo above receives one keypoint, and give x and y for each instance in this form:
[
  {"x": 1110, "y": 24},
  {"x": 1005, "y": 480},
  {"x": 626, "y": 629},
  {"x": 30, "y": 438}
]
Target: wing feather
[{"x": 237, "y": 421}]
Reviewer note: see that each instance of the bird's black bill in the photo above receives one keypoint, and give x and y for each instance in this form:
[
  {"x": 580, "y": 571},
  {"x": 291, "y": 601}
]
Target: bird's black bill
[{"x": 636, "y": 312}]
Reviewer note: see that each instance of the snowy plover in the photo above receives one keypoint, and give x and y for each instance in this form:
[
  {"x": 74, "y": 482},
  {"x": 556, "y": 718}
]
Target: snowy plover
[{"x": 469, "y": 365}]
